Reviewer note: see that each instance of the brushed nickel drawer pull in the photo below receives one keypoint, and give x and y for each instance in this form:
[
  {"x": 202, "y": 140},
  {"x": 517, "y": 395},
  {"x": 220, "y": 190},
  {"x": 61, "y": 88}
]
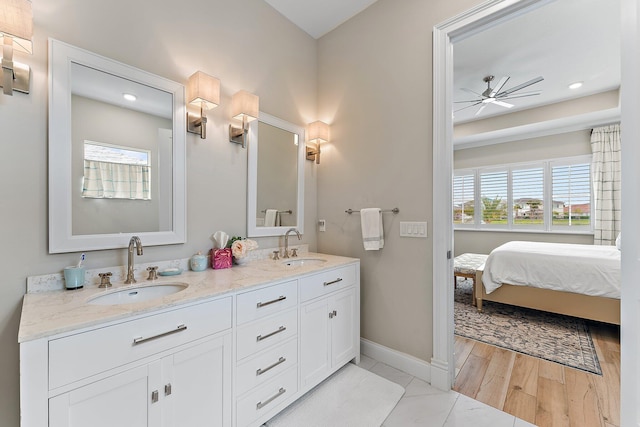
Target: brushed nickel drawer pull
[
  {"x": 333, "y": 282},
  {"x": 280, "y": 329},
  {"x": 140, "y": 340},
  {"x": 280, "y": 298},
  {"x": 280, "y": 392},
  {"x": 270, "y": 367}
]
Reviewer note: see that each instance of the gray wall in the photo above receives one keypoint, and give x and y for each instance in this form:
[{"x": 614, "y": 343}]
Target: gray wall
[
  {"x": 375, "y": 89},
  {"x": 548, "y": 147},
  {"x": 245, "y": 43}
]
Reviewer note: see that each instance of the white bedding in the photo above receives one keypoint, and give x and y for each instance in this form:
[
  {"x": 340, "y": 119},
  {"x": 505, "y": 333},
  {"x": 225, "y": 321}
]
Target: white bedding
[{"x": 584, "y": 269}]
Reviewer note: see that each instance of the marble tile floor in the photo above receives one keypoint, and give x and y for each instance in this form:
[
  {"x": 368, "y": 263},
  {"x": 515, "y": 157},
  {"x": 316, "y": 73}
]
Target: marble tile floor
[{"x": 426, "y": 406}]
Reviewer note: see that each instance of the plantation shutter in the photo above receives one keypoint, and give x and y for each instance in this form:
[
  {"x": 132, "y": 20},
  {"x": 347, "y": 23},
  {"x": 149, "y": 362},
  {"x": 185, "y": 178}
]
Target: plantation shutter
[
  {"x": 493, "y": 194},
  {"x": 463, "y": 198}
]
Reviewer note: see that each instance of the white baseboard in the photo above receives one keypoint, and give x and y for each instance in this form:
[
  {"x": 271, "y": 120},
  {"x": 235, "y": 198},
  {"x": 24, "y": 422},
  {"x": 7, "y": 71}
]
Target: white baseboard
[{"x": 396, "y": 359}]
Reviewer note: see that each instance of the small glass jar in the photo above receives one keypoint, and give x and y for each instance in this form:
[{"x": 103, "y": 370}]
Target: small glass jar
[{"x": 198, "y": 262}]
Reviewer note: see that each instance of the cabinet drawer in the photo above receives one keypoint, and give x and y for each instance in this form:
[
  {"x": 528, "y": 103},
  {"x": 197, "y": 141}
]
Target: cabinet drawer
[
  {"x": 266, "y": 332},
  {"x": 78, "y": 356},
  {"x": 267, "y": 398},
  {"x": 263, "y": 302},
  {"x": 266, "y": 366},
  {"x": 327, "y": 281}
]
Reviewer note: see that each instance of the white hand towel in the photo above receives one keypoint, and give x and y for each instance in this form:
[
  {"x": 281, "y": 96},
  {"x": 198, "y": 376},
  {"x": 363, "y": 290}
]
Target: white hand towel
[
  {"x": 270, "y": 217},
  {"x": 372, "y": 233}
]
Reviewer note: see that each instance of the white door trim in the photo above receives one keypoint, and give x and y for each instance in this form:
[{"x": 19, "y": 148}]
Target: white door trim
[
  {"x": 487, "y": 14},
  {"x": 630, "y": 134},
  {"x": 466, "y": 24}
]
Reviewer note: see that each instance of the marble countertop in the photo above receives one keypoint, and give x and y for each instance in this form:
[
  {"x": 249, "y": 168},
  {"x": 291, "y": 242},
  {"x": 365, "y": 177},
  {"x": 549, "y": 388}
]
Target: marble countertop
[{"x": 54, "y": 312}]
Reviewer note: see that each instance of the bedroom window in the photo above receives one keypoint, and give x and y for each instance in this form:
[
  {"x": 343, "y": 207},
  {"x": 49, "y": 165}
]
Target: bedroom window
[{"x": 547, "y": 196}]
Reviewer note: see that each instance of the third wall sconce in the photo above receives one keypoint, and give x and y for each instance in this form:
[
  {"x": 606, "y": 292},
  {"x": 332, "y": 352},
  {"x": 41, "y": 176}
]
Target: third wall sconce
[{"x": 318, "y": 133}]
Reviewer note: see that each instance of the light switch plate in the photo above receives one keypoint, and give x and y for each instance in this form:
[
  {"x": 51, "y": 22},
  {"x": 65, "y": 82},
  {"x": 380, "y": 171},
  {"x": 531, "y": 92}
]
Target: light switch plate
[
  {"x": 322, "y": 225},
  {"x": 413, "y": 229}
]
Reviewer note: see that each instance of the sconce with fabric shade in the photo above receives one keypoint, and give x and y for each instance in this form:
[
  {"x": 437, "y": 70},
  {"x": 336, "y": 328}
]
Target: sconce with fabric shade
[
  {"x": 204, "y": 92},
  {"x": 16, "y": 30},
  {"x": 318, "y": 133},
  {"x": 245, "y": 106}
]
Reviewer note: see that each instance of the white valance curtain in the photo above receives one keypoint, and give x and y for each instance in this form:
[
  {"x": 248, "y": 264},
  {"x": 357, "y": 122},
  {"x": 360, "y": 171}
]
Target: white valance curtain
[
  {"x": 606, "y": 177},
  {"x": 105, "y": 180}
]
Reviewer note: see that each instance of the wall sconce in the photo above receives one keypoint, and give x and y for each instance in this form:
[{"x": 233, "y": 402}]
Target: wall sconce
[
  {"x": 16, "y": 30},
  {"x": 245, "y": 107},
  {"x": 318, "y": 133},
  {"x": 204, "y": 92}
]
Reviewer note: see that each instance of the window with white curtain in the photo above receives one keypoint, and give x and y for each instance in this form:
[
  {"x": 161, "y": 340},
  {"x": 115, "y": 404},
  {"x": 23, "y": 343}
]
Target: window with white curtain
[
  {"x": 552, "y": 195},
  {"x": 115, "y": 172}
]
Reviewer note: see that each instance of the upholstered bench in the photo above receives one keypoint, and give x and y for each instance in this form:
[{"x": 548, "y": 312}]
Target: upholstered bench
[{"x": 466, "y": 265}]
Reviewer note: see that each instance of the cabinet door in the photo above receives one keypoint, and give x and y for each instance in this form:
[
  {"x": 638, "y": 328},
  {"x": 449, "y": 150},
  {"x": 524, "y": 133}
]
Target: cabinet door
[
  {"x": 120, "y": 400},
  {"x": 314, "y": 342},
  {"x": 342, "y": 323},
  {"x": 197, "y": 385}
]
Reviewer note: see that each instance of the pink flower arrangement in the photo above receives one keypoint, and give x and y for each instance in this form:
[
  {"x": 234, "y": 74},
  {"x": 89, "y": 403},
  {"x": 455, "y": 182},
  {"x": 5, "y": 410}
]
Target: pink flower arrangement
[{"x": 240, "y": 248}]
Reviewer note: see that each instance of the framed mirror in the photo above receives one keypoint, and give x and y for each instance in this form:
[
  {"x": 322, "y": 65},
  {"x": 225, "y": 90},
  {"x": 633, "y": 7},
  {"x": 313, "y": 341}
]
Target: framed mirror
[
  {"x": 116, "y": 154},
  {"x": 275, "y": 185}
]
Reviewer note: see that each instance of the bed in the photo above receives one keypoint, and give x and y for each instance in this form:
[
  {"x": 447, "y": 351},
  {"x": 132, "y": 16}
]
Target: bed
[{"x": 570, "y": 279}]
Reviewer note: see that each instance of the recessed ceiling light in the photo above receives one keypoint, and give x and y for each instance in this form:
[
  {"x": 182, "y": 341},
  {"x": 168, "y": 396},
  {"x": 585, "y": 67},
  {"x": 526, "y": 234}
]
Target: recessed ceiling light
[
  {"x": 575, "y": 85},
  {"x": 129, "y": 97}
]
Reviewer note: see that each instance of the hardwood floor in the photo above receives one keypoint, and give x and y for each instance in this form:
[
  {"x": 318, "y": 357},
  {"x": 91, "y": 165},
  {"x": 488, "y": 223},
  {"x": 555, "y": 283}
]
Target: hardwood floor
[{"x": 541, "y": 392}]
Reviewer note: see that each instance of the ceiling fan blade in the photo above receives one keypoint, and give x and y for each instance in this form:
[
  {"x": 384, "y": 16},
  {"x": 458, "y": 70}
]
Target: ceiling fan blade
[
  {"x": 470, "y": 100},
  {"x": 482, "y": 107},
  {"x": 521, "y": 86},
  {"x": 470, "y": 91},
  {"x": 520, "y": 95},
  {"x": 503, "y": 104},
  {"x": 468, "y": 106},
  {"x": 503, "y": 81}
]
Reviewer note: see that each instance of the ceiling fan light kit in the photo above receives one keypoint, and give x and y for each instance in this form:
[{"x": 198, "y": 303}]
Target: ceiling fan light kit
[{"x": 496, "y": 95}]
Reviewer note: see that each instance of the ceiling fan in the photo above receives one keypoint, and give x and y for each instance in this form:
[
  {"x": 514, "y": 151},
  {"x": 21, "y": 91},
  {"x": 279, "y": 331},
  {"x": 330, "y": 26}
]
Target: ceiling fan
[{"x": 496, "y": 95}]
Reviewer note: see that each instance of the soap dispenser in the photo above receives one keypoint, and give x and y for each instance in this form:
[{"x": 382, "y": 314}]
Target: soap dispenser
[{"x": 198, "y": 262}]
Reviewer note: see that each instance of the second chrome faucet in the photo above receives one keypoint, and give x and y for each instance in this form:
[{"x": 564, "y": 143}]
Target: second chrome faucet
[{"x": 286, "y": 241}]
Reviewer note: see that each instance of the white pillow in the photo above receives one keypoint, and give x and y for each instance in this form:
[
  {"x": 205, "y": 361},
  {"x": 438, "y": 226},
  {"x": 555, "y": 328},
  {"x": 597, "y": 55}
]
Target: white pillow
[{"x": 618, "y": 242}]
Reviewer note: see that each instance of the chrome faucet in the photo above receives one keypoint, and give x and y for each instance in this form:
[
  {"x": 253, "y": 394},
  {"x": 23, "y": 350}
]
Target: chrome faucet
[
  {"x": 135, "y": 241},
  {"x": 286, "y": 241}
]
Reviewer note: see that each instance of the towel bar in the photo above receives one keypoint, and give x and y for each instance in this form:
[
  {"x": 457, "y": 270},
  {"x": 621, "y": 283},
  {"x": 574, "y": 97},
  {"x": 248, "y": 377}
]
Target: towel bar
[
  {"x": 394, "y": 210},
  {"x": 280, "y": 212}
]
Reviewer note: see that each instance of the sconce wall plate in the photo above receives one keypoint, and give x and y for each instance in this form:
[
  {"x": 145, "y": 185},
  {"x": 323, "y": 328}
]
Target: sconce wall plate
[
  {"x": 21, "y": 74},
  {"x": 313, "y": 153},
  {"x": 194, "y": 124}
]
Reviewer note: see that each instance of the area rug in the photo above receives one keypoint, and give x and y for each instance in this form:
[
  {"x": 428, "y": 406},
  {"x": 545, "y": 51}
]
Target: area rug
[
  {"x": 351, "y": 397},
  {"x": 561, "y": 339}
]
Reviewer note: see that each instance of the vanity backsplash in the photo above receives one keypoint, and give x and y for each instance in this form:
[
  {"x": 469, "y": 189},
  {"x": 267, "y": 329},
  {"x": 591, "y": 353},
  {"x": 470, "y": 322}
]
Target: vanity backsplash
[{"x": 55, "y": 281}]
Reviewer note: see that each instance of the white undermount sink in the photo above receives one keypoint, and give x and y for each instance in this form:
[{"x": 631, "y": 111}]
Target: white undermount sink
[
  {"x": 137, "y": 293},
  {"x": 303, "y": 261}
]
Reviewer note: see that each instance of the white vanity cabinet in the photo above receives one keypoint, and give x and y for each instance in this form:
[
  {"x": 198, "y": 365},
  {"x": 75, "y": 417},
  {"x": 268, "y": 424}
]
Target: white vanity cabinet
[
  {"x": 166, "y": 369},
  {"x": 329, "y": 324},
  {"x": 232, "y": 360}
]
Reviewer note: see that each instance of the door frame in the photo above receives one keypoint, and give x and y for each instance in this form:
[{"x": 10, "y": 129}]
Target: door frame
[{"x": 487, "y": 14}]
